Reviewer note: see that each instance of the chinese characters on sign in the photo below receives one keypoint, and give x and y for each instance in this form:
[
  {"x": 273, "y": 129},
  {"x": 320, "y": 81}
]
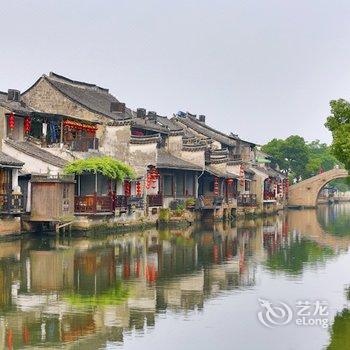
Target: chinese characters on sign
[{"x": 305, "y": 313}]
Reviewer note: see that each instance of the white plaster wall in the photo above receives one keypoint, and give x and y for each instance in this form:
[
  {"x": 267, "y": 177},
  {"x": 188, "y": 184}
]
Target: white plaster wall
[
  {"x": 197, "y": 157},
  {"x": 174, "y": 144},
  {"x": 115, "y": 141},
  {"x": 216, "y": 145},
  {"x": 141, "y": 156},
  {"x": 234, "y": 169}
]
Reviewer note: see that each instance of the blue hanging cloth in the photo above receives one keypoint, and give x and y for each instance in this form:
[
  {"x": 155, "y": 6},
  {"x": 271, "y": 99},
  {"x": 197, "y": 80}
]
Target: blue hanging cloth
[{"x": 54, "y": 132}]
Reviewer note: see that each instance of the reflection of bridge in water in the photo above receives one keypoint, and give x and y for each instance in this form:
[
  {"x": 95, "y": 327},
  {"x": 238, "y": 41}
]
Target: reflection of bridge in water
[{"x": 306, "y": 222}]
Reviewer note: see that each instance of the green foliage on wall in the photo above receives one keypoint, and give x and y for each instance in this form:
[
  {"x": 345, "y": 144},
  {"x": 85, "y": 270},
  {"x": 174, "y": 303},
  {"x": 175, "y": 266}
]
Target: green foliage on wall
[{"x": 107, "y": 166}]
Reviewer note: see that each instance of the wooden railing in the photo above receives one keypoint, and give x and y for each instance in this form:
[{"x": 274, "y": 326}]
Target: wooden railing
[
  {"x": 11, "y": 203},
  {"x": 135, "y": 202},
  {"x": 121, "y": 202},
  {"x": 93, "y": 204},
  {"x": 155, "y": 200},
  {"x": 246, "y": 200}
]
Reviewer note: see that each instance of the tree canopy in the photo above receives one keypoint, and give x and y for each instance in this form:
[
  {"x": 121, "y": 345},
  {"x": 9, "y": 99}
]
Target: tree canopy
[
  {"x": 339, "y": 124},
  {"x": 107, "y": 166},
  {"x": 300, "y": 159}
]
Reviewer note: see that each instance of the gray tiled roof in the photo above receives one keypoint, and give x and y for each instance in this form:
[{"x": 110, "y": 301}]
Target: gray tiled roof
[
  {"x": 158, "y": 124},
  {"x": 92, "y": 97},
  {"x": 268, "y": 171},
  {"x": 13, "y": 106},
  {"x": 166, "y": 160},
  {"x": 206, "y": 130},
  {"x": 6, "y": 160},
  {"x": 169, "y": 124},
  {"x": 37, "y": 152},
  {"x": 148, "y": 124}
]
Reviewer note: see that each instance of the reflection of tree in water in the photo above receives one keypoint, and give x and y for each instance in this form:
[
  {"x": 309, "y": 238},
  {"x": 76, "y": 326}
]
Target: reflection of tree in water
[
  {"x": 340, "y": 332},
  {"x": 291, "y": 256},
  {"x": 334, "y": 219}
]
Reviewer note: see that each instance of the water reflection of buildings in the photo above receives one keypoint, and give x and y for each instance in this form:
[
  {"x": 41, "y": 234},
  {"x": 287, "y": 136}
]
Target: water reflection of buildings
[{"x": 86, "y": 292}]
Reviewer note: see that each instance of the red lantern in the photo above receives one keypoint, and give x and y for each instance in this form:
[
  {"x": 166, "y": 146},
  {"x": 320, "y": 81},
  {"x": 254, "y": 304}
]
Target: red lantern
[
  {"x": 11, "y": 121},
  {"x": 138, "y": 188},
  {"x": 27, "y": 124},
  {"x": 216, "y": 186},
  {"x": 229, "y": 181}
]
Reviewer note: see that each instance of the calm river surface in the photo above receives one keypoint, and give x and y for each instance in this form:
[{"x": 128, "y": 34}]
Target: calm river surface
[{"x": 275, "y": 283}]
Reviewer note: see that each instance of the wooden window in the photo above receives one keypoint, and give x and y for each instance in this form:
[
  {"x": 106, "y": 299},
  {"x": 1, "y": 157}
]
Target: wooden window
[
  {"x": 168, "y": 185},
  {"x": 180, "y": 184},
  {"x": 189, "y": 184}
]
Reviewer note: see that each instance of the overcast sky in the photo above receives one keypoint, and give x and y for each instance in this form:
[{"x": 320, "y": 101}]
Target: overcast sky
[{"x": 259, "y": 68}]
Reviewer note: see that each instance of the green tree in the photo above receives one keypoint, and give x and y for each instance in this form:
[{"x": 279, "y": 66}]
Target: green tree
[
  {"x": 274, "y": 148},
  {"x": 320, "y": 157},
  {"x": 339, "y": 124},
  {"x": 300, "y": 159},
  {"x": 290, "y": 155}
]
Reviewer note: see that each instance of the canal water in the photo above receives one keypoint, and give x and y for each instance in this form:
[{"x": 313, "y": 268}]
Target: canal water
[{"x": 280, "y": 282}]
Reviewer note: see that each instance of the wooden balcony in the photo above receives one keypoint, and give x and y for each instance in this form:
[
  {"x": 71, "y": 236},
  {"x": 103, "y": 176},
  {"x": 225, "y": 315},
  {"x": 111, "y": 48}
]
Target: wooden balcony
[
  {"x": 135, "y": 202},
  {"x": 246, "y": 200},
  {"x": 269, "y": 195},
  {"x": 93, "y": 204},
  {"x": 11, "y": 204},
  {"x": 210, "y": 201},
  {"x": 155, "y": 200}
]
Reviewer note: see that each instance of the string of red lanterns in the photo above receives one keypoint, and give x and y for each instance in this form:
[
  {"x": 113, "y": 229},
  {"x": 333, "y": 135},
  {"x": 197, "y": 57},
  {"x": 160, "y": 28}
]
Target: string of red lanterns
[
  {"x": 241, "y": 175},
  {"x": 127, "y": 188},
  {"x": 79, "y": 126},
  {"x": 152, "y": 178},
  {"x": 138, "y": 188},
  {"x": 27, "y": 124},
  {"x": 216, "y": 186}
]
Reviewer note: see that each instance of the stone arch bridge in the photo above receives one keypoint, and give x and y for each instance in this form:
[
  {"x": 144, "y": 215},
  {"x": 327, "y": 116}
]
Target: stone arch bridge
[{"x": 305, "y": 193}]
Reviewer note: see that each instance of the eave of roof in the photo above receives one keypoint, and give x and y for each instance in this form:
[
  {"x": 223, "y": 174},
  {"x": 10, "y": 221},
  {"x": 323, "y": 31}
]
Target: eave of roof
[
  {"x": 7, "y": 161},
  {"x": 218, "y": 173}
]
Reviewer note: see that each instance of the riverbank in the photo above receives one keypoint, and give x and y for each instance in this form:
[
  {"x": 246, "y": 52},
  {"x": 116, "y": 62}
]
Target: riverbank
[{"x": 164, "y": 218}]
